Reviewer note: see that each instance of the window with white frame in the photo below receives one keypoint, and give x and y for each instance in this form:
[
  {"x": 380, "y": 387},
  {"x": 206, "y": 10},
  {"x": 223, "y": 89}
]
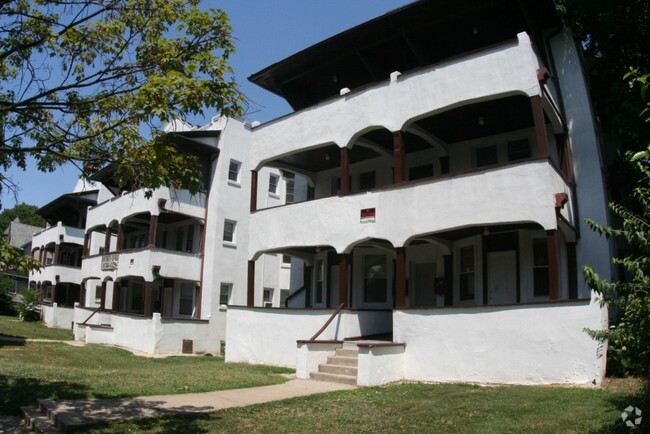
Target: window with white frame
[
  {"x": 224, "y": 293},
  {"x": 98, "y": 293},
  {"x": 286, "y": 259},
  {"x": 229, "y": 227},
  {"x": 318, "y": 289},
  {"x": 233, "y": 170},
  {"x": 374, "y": 279},
  {"x": 186, "y": 298},
  {"x": 290, "y": 187},
  {"x": 268, "y": 297},
  {"x": 274, "y": 180}
]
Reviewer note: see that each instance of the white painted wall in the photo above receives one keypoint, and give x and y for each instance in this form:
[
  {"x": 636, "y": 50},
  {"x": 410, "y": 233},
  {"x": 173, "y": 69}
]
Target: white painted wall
[
  {"x": 523, "y": 192},
  {"x": 504, "y": 70},
  {"x": 311, "y": 354},
  {"x": 268, "y": 336},
  {"x": 380, "y": 365},
  {"x": 55, "y": 316},
  {"x": 529, "y": 344},
  {"x": 593, "y": 249}
]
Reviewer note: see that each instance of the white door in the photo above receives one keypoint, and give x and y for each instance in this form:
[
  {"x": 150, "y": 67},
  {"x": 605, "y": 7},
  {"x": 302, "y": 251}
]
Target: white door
[
  {"x": 502, "y": 277},
  {"x": 424, "y": 274}
]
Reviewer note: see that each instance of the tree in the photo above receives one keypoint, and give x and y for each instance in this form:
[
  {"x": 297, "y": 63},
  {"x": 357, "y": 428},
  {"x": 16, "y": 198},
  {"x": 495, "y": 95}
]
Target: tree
[
  {"x": 614, "y": 36},
  {"x": 91, "y": 82},
  {"x": 26, "y": 213},
  {"x": 629, "y": 334}
]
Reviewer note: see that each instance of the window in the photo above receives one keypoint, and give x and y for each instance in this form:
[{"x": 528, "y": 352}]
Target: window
[
  {"x": 137, "y": 298},
  {"x": 273, "y": 183},
  {"x": 186, "y": 299},
  {"x": 318, "y": 289},
  {"x": 286, "y": 259},
  {"x": 290, "y": 186},
  {"x": 224, "y": 293},
  {"x": 180, "y": 231},
  {"x": 466, "y": 276},
  {"x": 98, "y": 293},
  {"x": 420, "y": 172},
  {"x": 336, "y": 186},
  {"x": 233, "y": 171},
  {"x": 163, "y": 242},
  {"x": 374, "y": 279},
  {"x": 486, "y": 156},
  {"x": 284, "y": 294},
  {"x": 367, "y": 180},
  {"x": 518, "y": 149},
  {"x": 229, "y": 231},
  {"x": 540, "y": 268},
  {"x": 268, "y": 297},
  {"x": 189, "y": 241}
]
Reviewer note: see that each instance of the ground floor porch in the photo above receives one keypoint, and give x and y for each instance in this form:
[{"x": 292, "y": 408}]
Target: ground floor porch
[{"x": 532, "y": 343}]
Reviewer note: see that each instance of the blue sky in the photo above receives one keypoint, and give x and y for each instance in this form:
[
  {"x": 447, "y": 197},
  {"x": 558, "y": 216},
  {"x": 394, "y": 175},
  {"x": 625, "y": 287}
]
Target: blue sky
[{"x": 265, "y": 32}]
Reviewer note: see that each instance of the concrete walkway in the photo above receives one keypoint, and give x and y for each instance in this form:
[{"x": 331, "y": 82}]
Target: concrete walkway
[{"x": 70, "y": 413}]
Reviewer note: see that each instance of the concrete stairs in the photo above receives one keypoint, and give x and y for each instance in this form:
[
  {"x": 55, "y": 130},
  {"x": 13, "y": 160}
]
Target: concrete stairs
[
  {"x": 340, "y": 368},
  {"x": 39, "y": 421}
]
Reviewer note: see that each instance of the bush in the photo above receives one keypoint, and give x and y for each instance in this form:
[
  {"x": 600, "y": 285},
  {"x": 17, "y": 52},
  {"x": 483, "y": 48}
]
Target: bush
[
  {"x": 29, "y": 308},
  {"x": 6, "y": 304}
]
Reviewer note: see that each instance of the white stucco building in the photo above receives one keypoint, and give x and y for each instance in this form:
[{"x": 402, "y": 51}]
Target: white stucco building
[
  {"x": 451, "y": 156},
  {"x": 158, "y": 272}
]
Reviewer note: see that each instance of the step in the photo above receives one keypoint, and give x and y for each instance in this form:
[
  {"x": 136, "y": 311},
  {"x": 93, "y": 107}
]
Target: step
[
  {"x": 348, "y": 352},
  {"x": 334, "y": 378},
  {"x": 38, "y": 422},
  {"x": 338, "y": 369},
  {"x": 342, "y": 361}
]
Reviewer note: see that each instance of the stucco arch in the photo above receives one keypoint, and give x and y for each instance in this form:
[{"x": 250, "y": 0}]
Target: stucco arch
[
  {"x": 305, "y": 253},
  {"x": 380, "y": 243},
  {"x": 266, "y": 162}
]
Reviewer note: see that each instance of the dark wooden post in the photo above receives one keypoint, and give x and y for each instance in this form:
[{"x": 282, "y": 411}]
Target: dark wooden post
[
  {"x": 345, "y": 171},
  {"x": 253, "y": 190},
  {"x": 306, "y": 279},
  {"x": 82, "y": 294},
  {"x": 153, "y": 228},
  {"x": 398, "y": 158},
  {"x": 400, "y": 278},
  {"x": 540, "y": 126},
  {"x": 250, "y": 295},
  {"x": 148, "y": 298},
  {"x": 55, "y": 259},
  {"x": 343, "y": 279},
  {"x": 102, "y": 304},
  {"x": 107, "y": 240},
  {"x": 116, "y": 296},
  {"x": 449, "y": 272},
  {"x": 572, "y": 270},
  {"x": 86, "y": 243}
]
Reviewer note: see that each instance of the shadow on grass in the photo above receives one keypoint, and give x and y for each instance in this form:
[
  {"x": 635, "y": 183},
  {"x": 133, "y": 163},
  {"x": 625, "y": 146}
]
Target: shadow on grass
[
  {"x": 640, "y": 400},
  {"x": 168, "y": 425},
  {"x": 19, "y": 392},
  {"x": 11, "y": 341}
]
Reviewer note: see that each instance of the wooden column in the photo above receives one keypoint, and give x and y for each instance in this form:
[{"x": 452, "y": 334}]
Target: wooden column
[
  {"x": 400, "y": 278},
  {"x": 86, "y": 244},
  {"x": 345, "y": 171},
  {"x": 306, "y": 279},
  {"x": 82, "y": 294},
  {"x": 41, "y": 255},
  {"x": 553, "y": 265},
  {"x": 153, "y": 228},
  {"x": 540, "y": 126},
  {"x": 572, "y": 266},
  {"x": 399, "y": 163},
  {"x": 250, "y": 295},
  {"x": 55, "y": 259},
  {"x": 102, "y": 304},
  {"x": 119, "y": 244},
  {"x": 343, "y": 279},
  {"x": 253, "y": 190},
  {"x": 107, "y": 240},
  {"x": 148, "y": 297},
  {"x": 116, "y": 296}
]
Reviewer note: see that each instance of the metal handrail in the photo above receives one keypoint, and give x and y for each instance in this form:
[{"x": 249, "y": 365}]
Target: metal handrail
[
  {"x": 91, "y": 315},
  {"x": 293, "y": 294},
  {"x": 331, "y": 318}
]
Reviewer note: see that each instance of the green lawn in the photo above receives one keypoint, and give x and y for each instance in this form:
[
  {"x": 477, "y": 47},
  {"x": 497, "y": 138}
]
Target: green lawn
[
  {"x": 419, "y": 408},
  {"x": 60, "y": 371},
  {"x": 13, "y": 327}
]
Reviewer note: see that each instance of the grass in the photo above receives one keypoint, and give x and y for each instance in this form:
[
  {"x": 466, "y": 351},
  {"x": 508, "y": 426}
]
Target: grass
[
  {"x": 60, "y": 371},
  {"x": 419, "y": 408},
  {"x": 13, "y": 327}
]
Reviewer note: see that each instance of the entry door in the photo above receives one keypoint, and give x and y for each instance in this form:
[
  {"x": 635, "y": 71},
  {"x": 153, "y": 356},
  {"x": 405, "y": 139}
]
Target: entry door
[
  {"x": 502, "y": 277},
  {"x": 424, "y": 274}
]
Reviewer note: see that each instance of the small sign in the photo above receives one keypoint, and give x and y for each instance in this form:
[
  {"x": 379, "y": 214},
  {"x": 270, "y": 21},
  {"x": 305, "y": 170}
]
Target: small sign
[
  {"x": 368, "y": 215},
  {"x": 110, "y": 262}
]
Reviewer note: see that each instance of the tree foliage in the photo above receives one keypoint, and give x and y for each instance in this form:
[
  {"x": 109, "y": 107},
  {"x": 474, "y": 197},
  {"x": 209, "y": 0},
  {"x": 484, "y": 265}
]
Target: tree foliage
[
  {"x": 26, "y": 213},
  {"x": 92, "y": 82},
  {"x": 629, "y": 334},
  {"x": 614, "y": 35}
]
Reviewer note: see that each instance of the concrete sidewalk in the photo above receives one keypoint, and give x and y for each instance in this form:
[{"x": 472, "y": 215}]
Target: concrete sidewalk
[{"x": 73, "y": 413}]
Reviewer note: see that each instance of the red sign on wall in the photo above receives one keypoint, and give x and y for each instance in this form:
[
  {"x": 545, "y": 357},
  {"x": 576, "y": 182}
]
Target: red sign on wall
[{"x": 368, "y": 215}]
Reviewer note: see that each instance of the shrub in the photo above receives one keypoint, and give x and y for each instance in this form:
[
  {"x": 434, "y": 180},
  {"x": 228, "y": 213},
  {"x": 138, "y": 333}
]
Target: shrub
[{"x": 29, "y": 308}]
